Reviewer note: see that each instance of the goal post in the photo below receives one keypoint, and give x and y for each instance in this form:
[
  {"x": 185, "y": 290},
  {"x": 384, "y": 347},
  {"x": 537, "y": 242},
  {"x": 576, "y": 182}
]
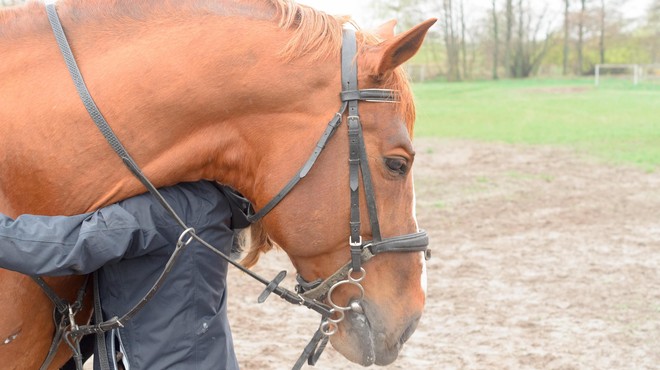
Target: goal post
[{"x": 633, "y": 70}]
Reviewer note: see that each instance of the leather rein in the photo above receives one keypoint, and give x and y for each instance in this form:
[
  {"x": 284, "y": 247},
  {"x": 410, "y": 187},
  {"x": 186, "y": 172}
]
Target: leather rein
[{"x": 307, "y": 294}]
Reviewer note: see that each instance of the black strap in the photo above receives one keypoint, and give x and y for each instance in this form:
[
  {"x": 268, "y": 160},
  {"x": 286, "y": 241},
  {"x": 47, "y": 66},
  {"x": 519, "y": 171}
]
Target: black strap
[
  {"x": 101, "y": 346},
  {"x": 63, "y": 316},
  {"x": 369, "y": 192},
  {"x": 312, "y": 351},
  {"x": 327, "y": 134},
  {"x": 417, "y": 242},
  {"x": 355, "y": 240},
  {"x": 349, "y": 84},
  {"x": 60, "y": 304},
  {"x": 61, "y": 325},
  {"x": 370, "y": 95},
  {"x": 94, "y": 111}
]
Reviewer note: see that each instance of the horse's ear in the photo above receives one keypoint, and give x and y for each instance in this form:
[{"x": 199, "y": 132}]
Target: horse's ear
[
  {"x": 386, "y": 30},
  {"x": 394, "y": 51}
]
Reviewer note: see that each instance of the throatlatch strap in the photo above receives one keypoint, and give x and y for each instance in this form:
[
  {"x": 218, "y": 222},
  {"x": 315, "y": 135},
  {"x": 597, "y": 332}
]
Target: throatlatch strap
[{"x": 327, "y": 134}]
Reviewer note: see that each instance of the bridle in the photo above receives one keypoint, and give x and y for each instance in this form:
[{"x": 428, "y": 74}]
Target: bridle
[
  {"x": 351, "y": 273},
  {"x": 307, "y": 294}
]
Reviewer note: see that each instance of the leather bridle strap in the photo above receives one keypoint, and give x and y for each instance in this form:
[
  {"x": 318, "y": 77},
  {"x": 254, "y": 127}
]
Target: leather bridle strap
[
  {"x": 94, "y": 111},
  {"x": 370, "y": 95},
  {"x": 417, "y": 242},
  {"x": 327, "y": 134}
]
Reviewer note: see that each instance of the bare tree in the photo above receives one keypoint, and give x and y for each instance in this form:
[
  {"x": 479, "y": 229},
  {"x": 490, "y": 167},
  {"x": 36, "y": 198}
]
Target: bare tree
[
  {"x": 496, "y": 42},
  {"x": 466, "y": 72},
  {"x": 453, "y": 73},
  {"x": 509, "y": 34},
  {"x": 530, "y": 47},
  {"x": 580, "y": 42},
  {"x": 601, "y": 42},
  {"x": 654, "y": 22},
  {"x": 518, "y": 60},
  {"x": 566, "y": 36}
]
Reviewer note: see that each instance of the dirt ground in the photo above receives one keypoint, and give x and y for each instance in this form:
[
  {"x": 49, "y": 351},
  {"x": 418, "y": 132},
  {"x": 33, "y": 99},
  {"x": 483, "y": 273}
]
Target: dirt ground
[{"x": 543, "y": 258}]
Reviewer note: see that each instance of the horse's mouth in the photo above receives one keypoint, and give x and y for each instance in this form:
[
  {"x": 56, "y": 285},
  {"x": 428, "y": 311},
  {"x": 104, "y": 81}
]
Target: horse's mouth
[{"x": 369, "y": 340}]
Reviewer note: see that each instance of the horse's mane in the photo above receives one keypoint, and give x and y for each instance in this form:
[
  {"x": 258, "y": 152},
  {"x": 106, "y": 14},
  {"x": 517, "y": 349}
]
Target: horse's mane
[{"x": 314, "y": 35}]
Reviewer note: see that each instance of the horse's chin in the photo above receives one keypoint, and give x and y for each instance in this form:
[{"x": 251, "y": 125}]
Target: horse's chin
[{"x": 364, "y": 339}]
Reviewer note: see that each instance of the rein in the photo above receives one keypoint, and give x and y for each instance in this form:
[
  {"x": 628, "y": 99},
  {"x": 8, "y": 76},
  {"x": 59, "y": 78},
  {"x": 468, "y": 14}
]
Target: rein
[{"x": 307, "y": 294}]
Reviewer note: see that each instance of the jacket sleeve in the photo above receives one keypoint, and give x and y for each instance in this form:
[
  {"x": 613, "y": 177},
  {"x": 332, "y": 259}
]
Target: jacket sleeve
[{"x": 66, "y": 245}]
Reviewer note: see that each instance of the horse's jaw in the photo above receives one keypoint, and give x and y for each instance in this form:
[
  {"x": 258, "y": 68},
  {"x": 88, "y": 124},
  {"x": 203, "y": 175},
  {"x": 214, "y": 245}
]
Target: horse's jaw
[{"x": 365, "y": 339}]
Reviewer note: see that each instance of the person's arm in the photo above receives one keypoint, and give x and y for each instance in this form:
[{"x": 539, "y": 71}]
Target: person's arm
[{"x": 66, "y": 245}]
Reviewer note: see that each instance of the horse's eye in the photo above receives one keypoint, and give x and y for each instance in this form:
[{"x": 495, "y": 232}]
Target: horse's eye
[{"x": 397, "y": 165}]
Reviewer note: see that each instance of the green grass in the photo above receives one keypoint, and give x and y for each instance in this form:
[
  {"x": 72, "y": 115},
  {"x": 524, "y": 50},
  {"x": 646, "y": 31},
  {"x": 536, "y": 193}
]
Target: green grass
[{"x": 617, "y": 121}]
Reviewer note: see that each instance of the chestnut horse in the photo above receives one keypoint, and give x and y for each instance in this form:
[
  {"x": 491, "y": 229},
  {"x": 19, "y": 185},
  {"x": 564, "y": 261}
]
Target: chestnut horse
[{"x": 233, "y": 91}]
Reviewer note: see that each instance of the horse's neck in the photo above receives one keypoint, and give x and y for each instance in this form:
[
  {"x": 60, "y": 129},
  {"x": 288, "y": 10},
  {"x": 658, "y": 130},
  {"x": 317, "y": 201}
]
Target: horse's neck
[{"x": 188, "y": 101}]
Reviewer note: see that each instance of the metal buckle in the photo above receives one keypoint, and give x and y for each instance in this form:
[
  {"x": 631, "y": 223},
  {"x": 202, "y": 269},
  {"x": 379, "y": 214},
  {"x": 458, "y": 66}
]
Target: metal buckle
[
  {"x": 355, "y": 244},
  {"x": 190, "y": 232}
]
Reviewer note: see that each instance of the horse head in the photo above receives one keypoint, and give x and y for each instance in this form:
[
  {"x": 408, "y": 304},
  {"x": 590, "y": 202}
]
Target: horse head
[{"x": 378, "y": 308}]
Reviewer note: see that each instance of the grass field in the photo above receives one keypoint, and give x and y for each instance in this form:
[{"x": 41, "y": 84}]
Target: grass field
[{"x": 618, "y": 122}]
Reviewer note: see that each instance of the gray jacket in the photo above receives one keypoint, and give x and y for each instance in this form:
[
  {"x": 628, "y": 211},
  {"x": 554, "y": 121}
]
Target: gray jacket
[{"x": 185, "y": 325}]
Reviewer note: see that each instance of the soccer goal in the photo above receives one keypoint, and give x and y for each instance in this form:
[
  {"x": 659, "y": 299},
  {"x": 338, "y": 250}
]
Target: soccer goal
[{"x": 631, "y": 71}]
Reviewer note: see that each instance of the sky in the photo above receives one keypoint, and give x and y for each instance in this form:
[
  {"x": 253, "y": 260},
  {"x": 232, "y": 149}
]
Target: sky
[{"x": 359, "y": 9}]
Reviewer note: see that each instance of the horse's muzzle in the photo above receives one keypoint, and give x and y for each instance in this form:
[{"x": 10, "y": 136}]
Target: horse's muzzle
[{"x": 366, "y": 336}]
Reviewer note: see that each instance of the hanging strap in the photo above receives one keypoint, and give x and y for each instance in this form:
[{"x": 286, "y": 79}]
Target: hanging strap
[
  {"x": 312, "y": 351},
  {"x": 101, "y": 346}
]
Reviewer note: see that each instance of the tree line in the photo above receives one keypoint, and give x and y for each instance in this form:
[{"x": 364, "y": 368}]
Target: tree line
[{"x": 521, "y": 38}]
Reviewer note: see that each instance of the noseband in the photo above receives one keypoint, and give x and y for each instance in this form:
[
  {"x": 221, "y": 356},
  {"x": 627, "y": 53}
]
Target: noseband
[
  {"x": 310, "y": 295},
  {"x": 361, "y": 251}
]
